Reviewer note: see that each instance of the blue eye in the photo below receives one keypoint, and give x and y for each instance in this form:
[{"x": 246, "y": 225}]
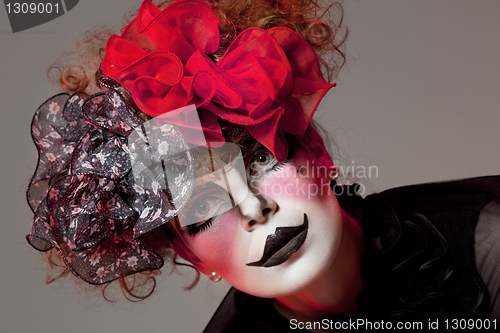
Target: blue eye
[
  {"x": 205, "y": 208},
  {"x": 263, "y": 161},
  {"x": 263, "y": 158},
  {"x": 201, "y": 214}
]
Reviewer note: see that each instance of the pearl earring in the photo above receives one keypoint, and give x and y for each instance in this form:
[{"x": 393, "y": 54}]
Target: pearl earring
[
  {"x": 214, "y": 277},
  {"x": 333, "y": 173}
]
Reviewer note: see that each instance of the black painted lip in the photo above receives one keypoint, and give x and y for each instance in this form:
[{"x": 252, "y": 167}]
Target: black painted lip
[{"x": 282, "y": 245}]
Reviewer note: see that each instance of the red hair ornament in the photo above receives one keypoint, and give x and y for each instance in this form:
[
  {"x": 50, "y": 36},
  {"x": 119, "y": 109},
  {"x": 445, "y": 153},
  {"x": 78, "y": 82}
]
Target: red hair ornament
[{"x": 269, "y": 81}]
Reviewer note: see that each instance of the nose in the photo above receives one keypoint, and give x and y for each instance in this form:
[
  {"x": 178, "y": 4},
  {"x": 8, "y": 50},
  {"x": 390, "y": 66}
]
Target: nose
[{"x": 256, "y": 209}]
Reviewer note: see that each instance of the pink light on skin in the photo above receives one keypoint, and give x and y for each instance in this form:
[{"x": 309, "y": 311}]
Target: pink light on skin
[{"x": 312, "y": 280}]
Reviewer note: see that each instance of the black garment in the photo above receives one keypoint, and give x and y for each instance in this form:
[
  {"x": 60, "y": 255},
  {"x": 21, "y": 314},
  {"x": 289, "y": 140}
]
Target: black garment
[{"x": 424, "y": 271}]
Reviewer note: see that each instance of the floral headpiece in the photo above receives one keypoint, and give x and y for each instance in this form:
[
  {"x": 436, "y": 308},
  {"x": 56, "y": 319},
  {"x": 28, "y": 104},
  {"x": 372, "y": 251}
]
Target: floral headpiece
[
  {"x": 269, "y": 81},
  {"x": 87, "y": 203}
]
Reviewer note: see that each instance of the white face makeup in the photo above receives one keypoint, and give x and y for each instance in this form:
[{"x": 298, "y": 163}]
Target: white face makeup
[
  {"x": 215, "y": 191},
  {"x": 278, "y": 237}
]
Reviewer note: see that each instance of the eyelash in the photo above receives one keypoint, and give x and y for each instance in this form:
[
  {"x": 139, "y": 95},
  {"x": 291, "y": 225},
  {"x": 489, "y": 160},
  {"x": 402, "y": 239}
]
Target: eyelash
[
  {"x": 278, "y": 166},
  {"x": 265, "y": 169},
  {"x": 196, "y": 229}
]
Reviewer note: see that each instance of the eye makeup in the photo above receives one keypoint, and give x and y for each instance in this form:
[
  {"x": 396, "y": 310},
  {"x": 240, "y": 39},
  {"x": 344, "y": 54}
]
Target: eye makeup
[
  {"x": 213, "y": 200},
  {"x": 263, "y": 161},
  {"x": 194, "y": 229},
  {"x": 206, "y": 206}
]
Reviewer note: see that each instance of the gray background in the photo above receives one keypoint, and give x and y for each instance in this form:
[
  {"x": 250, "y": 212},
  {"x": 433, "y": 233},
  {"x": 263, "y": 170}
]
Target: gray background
[{"x": 419, "y": 99}]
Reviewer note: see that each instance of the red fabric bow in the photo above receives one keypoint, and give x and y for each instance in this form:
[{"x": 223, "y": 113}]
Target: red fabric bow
[{"x": 269, "y": 81}]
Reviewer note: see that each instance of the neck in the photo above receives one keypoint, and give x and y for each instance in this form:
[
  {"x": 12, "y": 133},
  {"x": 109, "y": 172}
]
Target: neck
[{"x": 333, "y": 295}]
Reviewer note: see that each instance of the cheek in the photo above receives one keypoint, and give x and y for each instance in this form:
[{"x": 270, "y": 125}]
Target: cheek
[
  {"x": 218, "y": 246},
  {"x": 288, "y": 183}
]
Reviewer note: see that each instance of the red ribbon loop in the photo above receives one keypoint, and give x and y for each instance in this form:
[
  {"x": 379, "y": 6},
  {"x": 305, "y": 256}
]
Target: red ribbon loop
[{"x": 269, "y": 81}]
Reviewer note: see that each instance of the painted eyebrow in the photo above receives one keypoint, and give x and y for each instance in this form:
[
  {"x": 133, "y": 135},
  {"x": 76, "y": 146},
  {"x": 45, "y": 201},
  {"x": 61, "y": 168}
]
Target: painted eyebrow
[
  {"x": 206, "y": 186},
  {"x": 209, "y": 186}
]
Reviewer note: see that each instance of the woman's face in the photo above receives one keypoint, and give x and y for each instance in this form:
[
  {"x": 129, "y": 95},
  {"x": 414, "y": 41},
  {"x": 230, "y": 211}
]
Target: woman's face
[{"x": 276, "y": 231}]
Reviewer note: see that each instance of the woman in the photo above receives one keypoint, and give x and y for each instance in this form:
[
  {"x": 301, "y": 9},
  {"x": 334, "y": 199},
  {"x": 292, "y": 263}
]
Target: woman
[{"x": 312, "y": 263}]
